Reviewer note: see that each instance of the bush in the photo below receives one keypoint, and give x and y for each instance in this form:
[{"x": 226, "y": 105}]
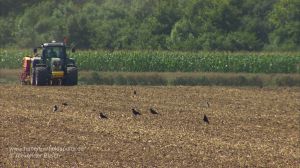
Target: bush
[
  {"x": 219, "y": 80},
  {"x": 192, "y": 81},
  {"x": 255, "y": 81},
  {"x": 288, "y": 81},
  {"x": 120, "y": 80}
]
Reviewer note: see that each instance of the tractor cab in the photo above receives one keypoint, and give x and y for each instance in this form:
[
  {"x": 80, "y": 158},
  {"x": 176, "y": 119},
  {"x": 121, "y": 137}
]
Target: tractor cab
[{"x": 54, "y": 50}]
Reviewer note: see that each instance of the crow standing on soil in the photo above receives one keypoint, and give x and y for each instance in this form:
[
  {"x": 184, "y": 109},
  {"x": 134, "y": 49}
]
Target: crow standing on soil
[
  {"x": 55, "y": 108},
  {"x": 64, "y": 104},
  {"x": 152, "y": 111},
  {"x": 208, "y": 105},
  {"x": 205, "y": 119},
  {"x": 134, "y": 92},
  {"x": 102, "y": 116},
  {"x": 135, "y": 112}
]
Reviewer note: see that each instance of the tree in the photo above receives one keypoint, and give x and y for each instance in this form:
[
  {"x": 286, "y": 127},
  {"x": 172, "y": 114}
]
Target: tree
[
  {"x": 251, "y": 25},
  {"x": 7, "y": 29},
  {"x": 43, "y": 22},
  {"x": 285, "y": 19}
]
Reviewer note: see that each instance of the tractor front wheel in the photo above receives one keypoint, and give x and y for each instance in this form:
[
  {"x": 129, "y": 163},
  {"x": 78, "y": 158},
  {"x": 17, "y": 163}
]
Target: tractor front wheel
[
  {"x": 41, "y": 76},
  {"x": 71, "y": 77}
]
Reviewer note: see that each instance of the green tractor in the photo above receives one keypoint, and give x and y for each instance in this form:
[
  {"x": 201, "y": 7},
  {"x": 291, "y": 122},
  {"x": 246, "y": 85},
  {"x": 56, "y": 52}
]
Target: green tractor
[{"x": 51, "y": 67}]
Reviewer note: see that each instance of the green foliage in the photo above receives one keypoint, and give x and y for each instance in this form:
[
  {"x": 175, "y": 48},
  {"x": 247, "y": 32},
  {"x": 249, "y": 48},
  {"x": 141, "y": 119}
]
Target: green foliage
[
  {"x": 6, "y": 31},
  {"x": 12, "y": 58},
  {"x": 42, "y": 22},
  {"x": 209, "y": 25},
  {"x": 165, "y": 61},
  {"x": 169, "y": 61},
  {"x": 285, "y": 17}
]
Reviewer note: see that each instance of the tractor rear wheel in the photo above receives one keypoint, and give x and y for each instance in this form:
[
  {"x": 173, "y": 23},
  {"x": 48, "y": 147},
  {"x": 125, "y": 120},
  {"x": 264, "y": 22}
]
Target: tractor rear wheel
[
  {"x": 41, "y": 76},
  {"x": 71, "y": 77}
]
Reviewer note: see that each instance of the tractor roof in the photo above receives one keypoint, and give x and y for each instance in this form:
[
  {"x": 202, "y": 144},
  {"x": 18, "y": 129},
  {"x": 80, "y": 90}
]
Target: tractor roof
[{"x": 53, "y": 44}]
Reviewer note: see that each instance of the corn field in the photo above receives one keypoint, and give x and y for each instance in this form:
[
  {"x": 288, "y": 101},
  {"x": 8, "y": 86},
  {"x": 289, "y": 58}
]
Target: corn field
[{"x": 172, "y": 61}]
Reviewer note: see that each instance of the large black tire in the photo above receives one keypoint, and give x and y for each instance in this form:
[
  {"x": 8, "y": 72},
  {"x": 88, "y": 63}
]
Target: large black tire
[
  {"x": 32, "y": 78},
  {"x": 72, "y": 76},
  {"x": 41, "y": 76}
]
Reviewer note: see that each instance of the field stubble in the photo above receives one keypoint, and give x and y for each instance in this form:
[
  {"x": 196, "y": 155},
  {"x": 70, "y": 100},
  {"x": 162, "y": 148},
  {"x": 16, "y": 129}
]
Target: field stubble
[{"x": 248, "y": 126}]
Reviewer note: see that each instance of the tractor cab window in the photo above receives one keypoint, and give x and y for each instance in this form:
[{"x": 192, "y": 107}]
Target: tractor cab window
[{"x": 54, "y": 52}]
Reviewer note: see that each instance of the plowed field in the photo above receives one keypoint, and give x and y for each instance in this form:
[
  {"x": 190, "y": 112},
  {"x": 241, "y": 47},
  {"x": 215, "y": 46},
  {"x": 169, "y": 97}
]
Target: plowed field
[{"x": 248, "y": 127}]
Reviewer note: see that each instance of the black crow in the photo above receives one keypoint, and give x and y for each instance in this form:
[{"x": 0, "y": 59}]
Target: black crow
[
  {"x": 101, "y": 115},
  {"x": 64, "y": 104},
  {"x": 205, "y": 119},
  {"x": 152, "y": 111},
  {"x": 135, "y": 112},
  {"x": 134, "y": 92},
  {"x": 55, "y": 108}
]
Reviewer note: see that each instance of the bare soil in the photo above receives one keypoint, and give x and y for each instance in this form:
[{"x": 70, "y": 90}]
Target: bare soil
[{"x": 249, "y": 127}]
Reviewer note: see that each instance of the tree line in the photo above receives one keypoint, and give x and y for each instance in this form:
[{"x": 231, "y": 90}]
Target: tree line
[{"x": 210, "y": 25}]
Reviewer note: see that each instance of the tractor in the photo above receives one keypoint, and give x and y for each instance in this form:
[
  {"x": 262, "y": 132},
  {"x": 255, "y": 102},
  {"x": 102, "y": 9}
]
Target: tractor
[{"x": 51, "y": 67}]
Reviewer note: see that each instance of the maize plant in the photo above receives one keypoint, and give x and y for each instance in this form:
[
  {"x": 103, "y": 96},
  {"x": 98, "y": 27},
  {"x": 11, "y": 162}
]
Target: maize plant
[{"x": 172, "y": 61}]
